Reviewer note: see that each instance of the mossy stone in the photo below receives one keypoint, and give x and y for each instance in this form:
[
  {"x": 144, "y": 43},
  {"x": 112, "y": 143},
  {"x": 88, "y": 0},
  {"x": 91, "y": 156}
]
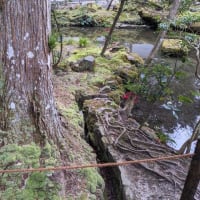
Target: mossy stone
[{"x": 174, "y": 47}]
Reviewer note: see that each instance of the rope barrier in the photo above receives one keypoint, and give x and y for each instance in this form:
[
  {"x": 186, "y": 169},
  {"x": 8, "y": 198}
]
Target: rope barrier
[{"x": 94, "y": 165}]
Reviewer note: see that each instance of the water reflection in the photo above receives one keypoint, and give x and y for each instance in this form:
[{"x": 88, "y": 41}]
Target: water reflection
[
  {"x": 181, "y": 134},
  {"x": 142, "y": 50}
]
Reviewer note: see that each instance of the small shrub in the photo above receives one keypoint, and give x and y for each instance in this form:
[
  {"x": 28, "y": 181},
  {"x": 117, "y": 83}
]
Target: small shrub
[
  {"x": 152, "y": 83},
  {"x": 164, "y": 138},
  {"x": 83, "y": 42},
  {"x": 52, "y": 41}
]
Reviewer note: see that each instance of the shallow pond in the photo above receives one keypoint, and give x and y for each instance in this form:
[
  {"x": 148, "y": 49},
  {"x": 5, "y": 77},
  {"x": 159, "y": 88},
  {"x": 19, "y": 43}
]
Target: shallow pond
[{"x": 178, "y": 120}]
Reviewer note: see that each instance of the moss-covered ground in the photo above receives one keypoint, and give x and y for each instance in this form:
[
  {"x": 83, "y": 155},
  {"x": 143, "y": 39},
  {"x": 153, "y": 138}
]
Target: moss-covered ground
[
  {"x": 94, "y": 16},
  {"x": 21, "y": 186}
]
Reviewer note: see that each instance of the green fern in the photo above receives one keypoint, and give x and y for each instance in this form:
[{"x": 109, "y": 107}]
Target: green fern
[{"x": 52, "y": 41}]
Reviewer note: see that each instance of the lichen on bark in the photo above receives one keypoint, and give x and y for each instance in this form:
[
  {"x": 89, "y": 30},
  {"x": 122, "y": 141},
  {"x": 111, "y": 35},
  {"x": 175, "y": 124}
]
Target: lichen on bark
[{"x": 30, "y": 129}]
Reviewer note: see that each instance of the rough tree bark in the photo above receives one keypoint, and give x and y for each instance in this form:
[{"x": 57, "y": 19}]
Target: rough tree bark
[
  {"x": 27, "y": 92},
  {"x": 27, "y": 110},
  {"x": 193, "y": 177},
  {"x": 172, "y": 13}
]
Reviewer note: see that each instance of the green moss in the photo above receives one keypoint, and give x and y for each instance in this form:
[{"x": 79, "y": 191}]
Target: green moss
[
  {"x": 72, "y": 112},
  {"x": 27, "y": 154},
  {"x": 84, "y": 196},
  {"x": 114, "y": 61},
  {"x": 119, "y": 58},
  {"x": 52, "y": 41},
  {"x": 130, "y": 18},
  {"x": 174, "y": 47},
  {"x": 92, "y": 197},
  {"x": 104, "y": 67},
  {"x": 116, "y": 95},
  {"x": 152, "y": 17},
  {"x": 98, "y": 79},
  {"x": 100, "y": 17},
  {"x": 94, "y": 180},
  {"x": 187, "y": 18},
  {"x": 137, "y": 59},
  {"x": 127, "y": 73},
  {"x": 82, "y": 52},
  {"x": 37, "y": 185},
  {"x": 49, "y": 153}
]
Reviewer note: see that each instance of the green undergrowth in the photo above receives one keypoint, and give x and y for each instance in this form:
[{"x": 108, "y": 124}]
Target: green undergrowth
[
  {"x": 85, "y": 16},
  {"x": 110, "y": 61},
  {"x": 94, "y": 16},
  {"x": 113, "y": 60},
  {"x": 35, "y": 185},
  {"x": 105, "y": 69},
  {"x": 130, "y": 18},
  {"x": 186, "y": 18},
  {"x": 82, "y": 52}
]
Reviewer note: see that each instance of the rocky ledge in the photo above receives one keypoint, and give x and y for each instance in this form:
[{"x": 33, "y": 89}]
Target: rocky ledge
[{"x": 116, "y": 138}]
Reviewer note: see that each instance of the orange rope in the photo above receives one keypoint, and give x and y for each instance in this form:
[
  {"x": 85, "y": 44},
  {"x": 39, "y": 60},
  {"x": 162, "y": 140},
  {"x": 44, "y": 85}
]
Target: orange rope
[{"x": 95, "y": 165}]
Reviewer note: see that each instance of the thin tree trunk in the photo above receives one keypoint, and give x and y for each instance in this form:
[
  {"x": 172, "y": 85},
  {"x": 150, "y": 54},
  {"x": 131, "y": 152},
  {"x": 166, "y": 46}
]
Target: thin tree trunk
[
  {"x": 193, "y": 177},
  {"x": 172, "y": 13},
  {"x": 28, "y": 116},
  {"x": 56, "y": 62},
  {"x": 109, "y": 5},
  {"x": 112, "y": 27}
]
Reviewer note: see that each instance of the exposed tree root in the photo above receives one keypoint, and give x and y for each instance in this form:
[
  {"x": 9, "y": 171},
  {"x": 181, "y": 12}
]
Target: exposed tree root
[{"x": 137, "y": 144}]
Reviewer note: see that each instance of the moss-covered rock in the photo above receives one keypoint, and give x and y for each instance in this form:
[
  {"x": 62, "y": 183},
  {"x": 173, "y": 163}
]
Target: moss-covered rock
[
  {"x": 135, "y": 59},
  {"x": 174, "y": 47},
  {"x": 85, "y": 64},
  {"x": 130, "y": 18},
  {"x": 152, "y": 17},
  {"x": 195, "y": 27},
  {"x": 127, "y": 73}
]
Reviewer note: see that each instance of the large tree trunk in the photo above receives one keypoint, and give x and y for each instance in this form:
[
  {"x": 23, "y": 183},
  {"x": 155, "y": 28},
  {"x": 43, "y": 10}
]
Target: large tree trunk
[
  {"x": 30, "y": 129},
  {"x": 27, "y": 93}
]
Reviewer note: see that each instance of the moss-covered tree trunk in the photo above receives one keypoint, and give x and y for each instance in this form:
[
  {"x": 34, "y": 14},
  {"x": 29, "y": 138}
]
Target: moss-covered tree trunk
[{"x": 30, "y": 129}]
